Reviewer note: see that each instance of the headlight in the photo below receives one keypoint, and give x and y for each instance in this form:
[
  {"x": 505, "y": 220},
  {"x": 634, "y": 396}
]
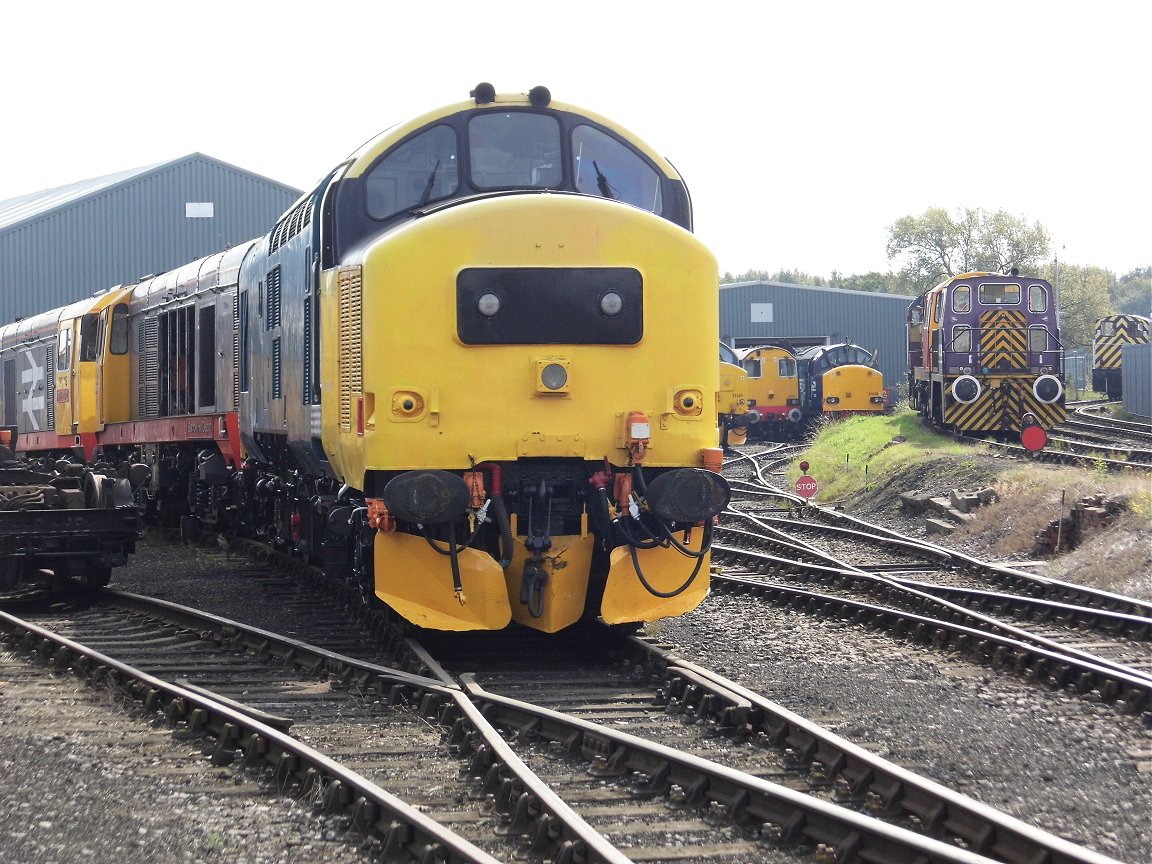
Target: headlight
[
  {"x": 1048, "y": 388},
  {"x": 553, "y": 376},
  {"x": 966, "y": 389},
  {"x": 611, "y": 303},
  {"x": 488, "y": 305}
]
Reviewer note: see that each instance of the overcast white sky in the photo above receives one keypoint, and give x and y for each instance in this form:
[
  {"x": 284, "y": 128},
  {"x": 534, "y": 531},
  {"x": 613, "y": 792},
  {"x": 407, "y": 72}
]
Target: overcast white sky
[{"x": 803, "y": 130}]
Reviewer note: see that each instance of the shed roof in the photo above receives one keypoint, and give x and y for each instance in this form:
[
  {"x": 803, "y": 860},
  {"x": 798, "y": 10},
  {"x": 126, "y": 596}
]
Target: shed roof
[
  {"x": 905, "y": 298},
  {"x": 35, "y": 205}
]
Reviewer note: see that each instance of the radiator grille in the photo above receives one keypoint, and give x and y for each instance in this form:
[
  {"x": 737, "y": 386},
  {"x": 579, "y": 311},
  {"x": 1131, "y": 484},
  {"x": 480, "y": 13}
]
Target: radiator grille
[
  {"x": 236, "y": 352},
  {"x": 149, "y": 367},
  {"x": 277, "y": 378},
  {"x": 50, "y": 388},
  {"x": 307, "y": 395},
  {"x": 272, "y": 319},
  {"x": 351, "y": 371}
]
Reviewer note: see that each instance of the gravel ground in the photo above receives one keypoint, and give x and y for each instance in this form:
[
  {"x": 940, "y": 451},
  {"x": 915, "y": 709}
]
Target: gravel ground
[{"x": 1079, "y": 770}]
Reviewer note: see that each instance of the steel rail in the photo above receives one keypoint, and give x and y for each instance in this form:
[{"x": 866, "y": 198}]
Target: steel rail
[
  {"x": 785, "y": 815},
  {"x": 402, "y": 832},
  {"x": 1114, "y": 682},
  {"x": 858, "y": 774}
]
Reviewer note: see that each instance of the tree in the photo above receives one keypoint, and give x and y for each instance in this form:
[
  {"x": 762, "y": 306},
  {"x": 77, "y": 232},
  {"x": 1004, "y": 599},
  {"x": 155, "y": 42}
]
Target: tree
[
  {"x": 936, "y": 245},
  {"x": 1132, "y": 292},
  {"x": 881, "y": 283},
  {"x": 1082, "y": 300},
  {"x": 796, "y": 277}
]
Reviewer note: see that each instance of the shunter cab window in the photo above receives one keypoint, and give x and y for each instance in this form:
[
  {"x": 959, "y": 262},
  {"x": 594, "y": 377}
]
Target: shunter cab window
[
  {"x": 1106, "y": 328},
  {"x": 962, "y": 299},
  {"x": 1037, "y": 298},
  {"x": 422, "y": 169},
  {"x": 603, "y": 166},
  {"x": 992, "y": 294},
  {"x": 514, "y": 148}
]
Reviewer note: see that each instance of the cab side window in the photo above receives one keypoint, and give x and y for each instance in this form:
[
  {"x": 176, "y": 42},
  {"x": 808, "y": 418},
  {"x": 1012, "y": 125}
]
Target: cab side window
[
  {"x": 962, "y": 299},
  {"x": 64, "y": 349},
  {"x": 118, "y": 341},
  {"x": 1037, "y": 298}
]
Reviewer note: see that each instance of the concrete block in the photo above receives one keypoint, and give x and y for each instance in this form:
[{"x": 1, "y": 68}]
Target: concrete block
[{"x": 939, "y": 526}]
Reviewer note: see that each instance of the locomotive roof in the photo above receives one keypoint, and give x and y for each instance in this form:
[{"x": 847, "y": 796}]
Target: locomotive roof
[{"x": 363, "y": 158}]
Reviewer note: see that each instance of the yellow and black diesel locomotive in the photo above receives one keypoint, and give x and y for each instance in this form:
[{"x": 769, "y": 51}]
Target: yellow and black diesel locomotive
[
  {"x": 984, "y": 354},
  {"x": 1113, "y": 332},
  {"x": 473, "y": 365},
  {"x": 839, "y": 380}
]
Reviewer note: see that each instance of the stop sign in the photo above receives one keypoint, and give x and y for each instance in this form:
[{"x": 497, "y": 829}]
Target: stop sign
[
  {"x": 806, "y": 486},
  {"x": 1033, "y": 438}
]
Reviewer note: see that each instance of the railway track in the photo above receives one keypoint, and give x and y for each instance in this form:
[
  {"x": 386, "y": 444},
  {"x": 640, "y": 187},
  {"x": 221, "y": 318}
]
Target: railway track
[
  {"x": 1060, "y": 634},
  {"x": 630, "y": 752},
  {"x": 532, "y": 757}
]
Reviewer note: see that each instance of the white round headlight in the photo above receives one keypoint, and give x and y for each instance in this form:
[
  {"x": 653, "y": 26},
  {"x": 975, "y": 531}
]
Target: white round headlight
[{"x": 966, "y": 389}]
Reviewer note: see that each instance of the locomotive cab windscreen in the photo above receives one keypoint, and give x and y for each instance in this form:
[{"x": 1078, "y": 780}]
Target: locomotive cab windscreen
[{"x": 492, "y": 150}]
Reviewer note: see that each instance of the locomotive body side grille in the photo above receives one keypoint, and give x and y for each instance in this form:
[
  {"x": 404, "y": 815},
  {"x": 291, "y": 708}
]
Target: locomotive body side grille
[
  {"x": 50, "y": 390},
  {"x": 350, "y": 353},
  {"x": 149, "y": 369}
]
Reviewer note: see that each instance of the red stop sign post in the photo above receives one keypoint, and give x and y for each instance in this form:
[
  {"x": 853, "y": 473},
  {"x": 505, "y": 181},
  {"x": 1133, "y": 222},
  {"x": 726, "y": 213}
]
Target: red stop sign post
[{"x": 806, "y": 486}]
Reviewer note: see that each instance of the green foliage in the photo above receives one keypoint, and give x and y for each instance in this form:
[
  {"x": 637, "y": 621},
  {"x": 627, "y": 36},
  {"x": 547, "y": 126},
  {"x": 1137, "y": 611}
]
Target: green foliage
[
  {"x": 1132, "y": 292},
  {"x": 1083, "y": 299},
  {"x": 795, "y": 277},
  {"x": 882, "y": 283},
  {"x": 936, "y": 245},
  {"x": 851, "y": 454}
]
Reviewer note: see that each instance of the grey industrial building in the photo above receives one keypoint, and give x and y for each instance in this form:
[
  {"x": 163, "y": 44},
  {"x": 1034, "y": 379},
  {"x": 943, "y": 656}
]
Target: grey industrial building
[
  {"x": 63, "y": 244},
  {"x": 755, "y": 313}
]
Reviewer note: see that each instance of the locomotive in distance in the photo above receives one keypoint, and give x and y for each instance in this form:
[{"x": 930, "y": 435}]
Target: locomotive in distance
[
  {"x": 784, "y": 392},
  {"x": 984, "y": 355},
  {"x": 472, "y": 367},
  {"x": 1113, "y": 332}
]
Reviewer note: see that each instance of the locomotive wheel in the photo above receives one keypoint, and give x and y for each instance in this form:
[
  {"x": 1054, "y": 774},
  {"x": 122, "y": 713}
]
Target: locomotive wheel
[
  {"x": 94, "y": 490},
  {"x": 11, "y": 572},
  {"x": 98, "y": 576}
]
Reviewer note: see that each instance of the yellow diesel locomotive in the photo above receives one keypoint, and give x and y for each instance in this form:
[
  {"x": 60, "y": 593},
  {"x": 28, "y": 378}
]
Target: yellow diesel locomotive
[{"x": 472, "y": 365}]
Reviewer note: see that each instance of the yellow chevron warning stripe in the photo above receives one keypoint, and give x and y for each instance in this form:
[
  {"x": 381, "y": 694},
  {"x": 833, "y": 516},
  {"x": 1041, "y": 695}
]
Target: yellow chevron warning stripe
[{"x": 1004, "y": 339}]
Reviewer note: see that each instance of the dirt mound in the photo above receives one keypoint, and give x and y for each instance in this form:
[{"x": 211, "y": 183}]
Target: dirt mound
[{"x": 1031, "y": 495}]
